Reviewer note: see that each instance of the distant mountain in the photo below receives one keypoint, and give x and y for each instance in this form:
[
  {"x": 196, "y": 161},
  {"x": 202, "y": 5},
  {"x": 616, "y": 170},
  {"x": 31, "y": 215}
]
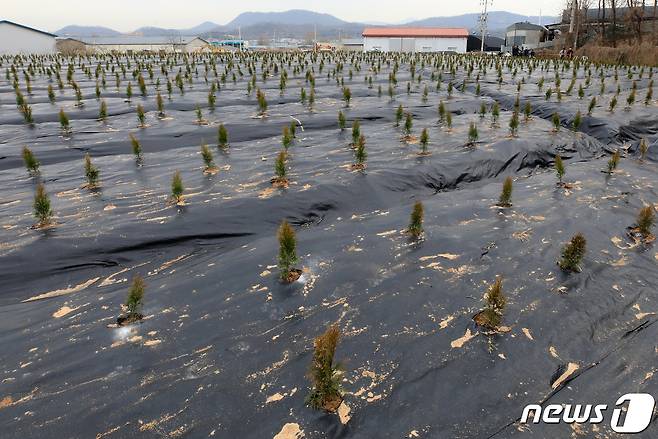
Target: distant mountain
[
  {"x": 292, "y": 17},
  {"x": 302, "y": 24},
  {"x": 206, "y": 26},
  {"x": 86, "y": 31},
  {"x": 497, "y": 20}
]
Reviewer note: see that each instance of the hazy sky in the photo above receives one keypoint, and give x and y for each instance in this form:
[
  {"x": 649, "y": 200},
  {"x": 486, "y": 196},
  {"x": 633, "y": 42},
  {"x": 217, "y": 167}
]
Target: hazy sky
[{"x": 127, "y": 15}]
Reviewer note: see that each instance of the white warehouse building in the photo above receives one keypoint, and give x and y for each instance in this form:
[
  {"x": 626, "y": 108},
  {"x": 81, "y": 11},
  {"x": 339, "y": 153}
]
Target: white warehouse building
[
  {"x": 16, "y": 38},
  {"x": 416, "y": 39},
  {"x": 133, "y": 43}
]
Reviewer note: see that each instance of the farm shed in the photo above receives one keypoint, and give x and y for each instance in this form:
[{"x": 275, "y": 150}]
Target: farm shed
[
  {"x": 16, "y": 38},
  {"x": 417, "y": 39}
]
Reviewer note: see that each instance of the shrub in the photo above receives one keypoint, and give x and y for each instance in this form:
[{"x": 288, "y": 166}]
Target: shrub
[
  {"x": 472, "y": 134},
  {"x": 505, "y": 199},
  {"x": 341, "y": 120},
  {"x": 129, "y": 91},
  {"x": 573, "y": 253},
  {"x": 26, "y": 111},
  {"x": 287, "y": 251},
  {"x": 613, "y": 162},
  {"x": 645, "y": 221},
  {"x": 199, "y": 114},
  {"x": 42, "y": 210},
  {"x": 177, "y": 187},
  {"x": 483, "y": 110},
  {"x": 415, "y": 228},
  {"x": 31, "y": 162},
  {"x": 559, "y": 168},
  {"x": 325, "y": 393},
  {"x": 91, "y": 172},
  {"x": 206, "y": 155},
  {"x": 222, "y": 136},
  {"x": 137, "y": 148}
]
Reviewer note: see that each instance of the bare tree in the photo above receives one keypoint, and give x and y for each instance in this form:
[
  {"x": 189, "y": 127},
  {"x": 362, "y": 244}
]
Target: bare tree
[
  {"x": 613, "y": 6},
  {"x": 635, "y": 16}
]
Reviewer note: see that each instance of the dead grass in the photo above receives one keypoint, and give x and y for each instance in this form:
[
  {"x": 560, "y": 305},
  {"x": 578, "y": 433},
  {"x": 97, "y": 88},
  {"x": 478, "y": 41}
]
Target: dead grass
[{"x": 625, "y": 53}]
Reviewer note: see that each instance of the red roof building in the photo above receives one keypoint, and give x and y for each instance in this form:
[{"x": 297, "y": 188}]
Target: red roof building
[
  {"x": 415, "y": 39},
  {"x": 415, "y": 32}
]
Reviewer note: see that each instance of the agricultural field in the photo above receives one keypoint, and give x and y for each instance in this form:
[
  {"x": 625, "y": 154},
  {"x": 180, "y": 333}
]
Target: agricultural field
[{"x": 286, "y": 245}]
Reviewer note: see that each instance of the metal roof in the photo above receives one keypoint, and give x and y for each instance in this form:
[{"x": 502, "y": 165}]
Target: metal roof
[
  {"x": 524, "y": 26},
  {"x": 417, "y": 32},
  {"x": 127, "y": 40},
  {"x": 27, "y": 27}
]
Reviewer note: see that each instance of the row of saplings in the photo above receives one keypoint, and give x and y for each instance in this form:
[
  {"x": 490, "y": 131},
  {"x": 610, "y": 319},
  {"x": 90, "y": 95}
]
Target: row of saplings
[{"x": 325, "y": 375}]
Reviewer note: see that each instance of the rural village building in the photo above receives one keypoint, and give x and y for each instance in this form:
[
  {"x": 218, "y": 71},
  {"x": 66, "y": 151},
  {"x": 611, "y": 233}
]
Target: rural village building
[
  {"x": 16, "y": 38},
  {"x": 133, "y": 43},
  {"x": 416, "y": 39}
]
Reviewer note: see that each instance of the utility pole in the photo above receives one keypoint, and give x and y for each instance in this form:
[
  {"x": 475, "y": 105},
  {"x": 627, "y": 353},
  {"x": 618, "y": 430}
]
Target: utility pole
[
  {"x": 572, "y": 23},
  {"x": 483, "y": 22}
]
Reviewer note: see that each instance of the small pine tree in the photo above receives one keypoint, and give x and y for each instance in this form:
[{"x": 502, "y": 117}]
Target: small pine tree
[
  {"x": 505, "y": 199},
  {"x": 341, "y": 120},
  {"x": 613, "y": 104},
  {"x": 645, "y": 221},
  {"x": 573, "y": 253},
  {"x": 31, "y": 162},
  {"x": 613, "y": 162},
  {"x": 356, "y": 132},
  {"x": 424, "y": 140},
  {"x": 64, "y": 122},
  {"x": 360, "y": 153},
  {"x": 134, "y": 300},
  {"x": 91, "y": 172},
  {"x": 556, "y": 122},
  {"x": 644, "y": 148},
  {"x": 472, "y": 134},
  {"x": 514, "y": 124},
  {"x": 199, "y": 115},
  {"x": 177, "y": 187},
  {"x": 483, "y": 110},
  {"x": 495, "y": 113},
  {"x": 206, "y": 155},
  {"x": 160, "y": 104},
  {"x": 222, "y": 136},
  {"x": 262, "y": 102},
  {"x": 347, "y": 96},
  {"x": 559, "y": 168},
  {"x": 442, "y": 112},
  {"x": 141, "y": 115},
  {"x": 495, "y": 302},
  {"x": 42, "y": 209},
  {"x": 137, "y": 148},
  {"x": 408, "y": 125},
  {"x": 399, "y": 114},
  {"x": 286, "y": 137},
  {"x": 287, "y": 251},
  {"x": 325, "y": 393},
  {"x": 415, "y": 228},
  {"x": 527, "y": 111},
  {"x": 449, "y": 120},
  {"x": 293, "y": 129},
  {"x": 577, "y": 121},
  {"x": 592, "y": 105},
  {"x": 102, "y": 111},
  {"x": 280, "y": 167}
]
